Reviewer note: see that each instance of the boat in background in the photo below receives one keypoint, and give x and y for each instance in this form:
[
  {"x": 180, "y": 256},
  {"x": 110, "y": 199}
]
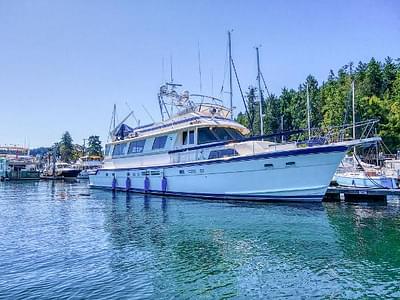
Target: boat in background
[
  {"x": 353, "y": 172},
  {"x": 61, "y": 170},
  {"x": 88, "y": 165},
  {"x": 18, "y": 164},
  {"x": 391, "y": 167}
]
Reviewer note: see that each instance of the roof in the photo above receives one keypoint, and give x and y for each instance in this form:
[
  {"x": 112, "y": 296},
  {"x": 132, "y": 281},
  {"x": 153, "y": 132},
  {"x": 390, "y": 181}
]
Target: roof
[{"x": 188, "y": 120}]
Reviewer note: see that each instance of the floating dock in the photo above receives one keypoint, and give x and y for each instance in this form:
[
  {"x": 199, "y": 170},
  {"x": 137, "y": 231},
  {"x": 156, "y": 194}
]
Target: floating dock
[
  {"x": 354, "y": 194},
  {"x": 58, "y": 178}
]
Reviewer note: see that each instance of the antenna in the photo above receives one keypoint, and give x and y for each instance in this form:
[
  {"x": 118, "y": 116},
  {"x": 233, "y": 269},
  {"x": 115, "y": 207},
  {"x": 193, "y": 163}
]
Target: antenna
[
  {"x": 162, "y": 70},
  {"x": 230, "y": 72},
  {"x": 260, "y": 92},
  {"x": 199, "y": 59},
  {"x": 308, "y": 113},
  {"x": 171, "y": 77},
  {"x": 114, "y": 115},
  {"x": 212, "y": 83},
  {"x": 133, "y": 114},
  {"x": 148, "y": 113}
]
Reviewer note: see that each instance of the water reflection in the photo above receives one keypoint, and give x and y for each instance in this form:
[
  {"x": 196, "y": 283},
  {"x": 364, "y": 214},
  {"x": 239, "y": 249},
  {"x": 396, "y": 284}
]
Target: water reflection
[
  {"x": 65, "y": 238},
  {"x": 194, "y": 244}
]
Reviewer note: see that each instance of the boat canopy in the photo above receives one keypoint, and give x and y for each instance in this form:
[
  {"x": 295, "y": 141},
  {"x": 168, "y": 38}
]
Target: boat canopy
[{"x": 123, "y": 131}]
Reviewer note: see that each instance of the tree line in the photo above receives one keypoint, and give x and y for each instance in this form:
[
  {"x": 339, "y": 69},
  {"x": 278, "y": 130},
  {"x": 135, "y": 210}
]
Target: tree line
[
  {"x": 377, "y": 96},
  {"x": 67, "y": 151}
]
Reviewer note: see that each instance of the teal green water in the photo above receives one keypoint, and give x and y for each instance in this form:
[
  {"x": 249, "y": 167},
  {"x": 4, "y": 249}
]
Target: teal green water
[{"x": 63, "y": 240}]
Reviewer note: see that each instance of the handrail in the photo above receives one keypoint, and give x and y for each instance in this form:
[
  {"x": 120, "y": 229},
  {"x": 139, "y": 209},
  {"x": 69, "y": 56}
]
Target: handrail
[{"x": 328, "y": 137}]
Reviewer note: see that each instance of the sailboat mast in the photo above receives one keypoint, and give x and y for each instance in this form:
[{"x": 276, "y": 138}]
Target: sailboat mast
[
  {"x": 354, "y": 109},
  {"x": 230, "y": 74},
  {"x": 260, "y": 92},
  {"x": 308, "y": 113}
]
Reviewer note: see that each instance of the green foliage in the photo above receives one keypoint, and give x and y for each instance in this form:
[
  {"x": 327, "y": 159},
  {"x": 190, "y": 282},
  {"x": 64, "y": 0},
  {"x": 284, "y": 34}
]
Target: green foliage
[
  {"x": 377, "y": 96},
  {"x": 94, "y": 146},
  {"x": 66, "y": 148}
]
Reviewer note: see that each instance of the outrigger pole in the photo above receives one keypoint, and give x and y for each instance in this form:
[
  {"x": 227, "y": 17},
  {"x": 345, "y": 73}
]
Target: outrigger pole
[
  {"x": 260, "y": 92},
  {"x": 230, "y": 73}
]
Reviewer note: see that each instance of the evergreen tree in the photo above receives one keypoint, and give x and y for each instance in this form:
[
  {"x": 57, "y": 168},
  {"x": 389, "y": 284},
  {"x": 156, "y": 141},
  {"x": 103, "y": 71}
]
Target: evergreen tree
[
  {"x": 94, "y": 146},
  {"x": 66, "y": 147},
  {"x": 377, "y": 96}
]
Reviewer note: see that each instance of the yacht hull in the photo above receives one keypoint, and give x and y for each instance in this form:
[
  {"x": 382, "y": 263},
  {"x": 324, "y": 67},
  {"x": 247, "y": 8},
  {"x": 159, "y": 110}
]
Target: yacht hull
[{"x": 300, "y": 175}]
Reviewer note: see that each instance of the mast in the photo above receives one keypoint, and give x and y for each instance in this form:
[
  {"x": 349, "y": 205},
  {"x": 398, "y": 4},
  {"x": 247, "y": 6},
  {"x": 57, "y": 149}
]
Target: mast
[
  {"x": 308, "y": 113},
  {"x": 354, "y": 121},
  {"x": 260, "y": 92},
  {"x": 230, "y": 73},
  {"x": 354, "y": 110},
  {"x": 114, "y": 115}
]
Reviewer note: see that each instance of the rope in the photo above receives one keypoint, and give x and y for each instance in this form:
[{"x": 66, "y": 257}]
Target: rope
[
  {"x": 241, "y": 93},
  {"x": 369, "y": 177}
]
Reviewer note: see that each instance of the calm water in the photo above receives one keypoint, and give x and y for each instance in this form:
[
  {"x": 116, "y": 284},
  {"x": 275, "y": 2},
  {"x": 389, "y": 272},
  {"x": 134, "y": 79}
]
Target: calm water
[{"x": 64, "y": 240}]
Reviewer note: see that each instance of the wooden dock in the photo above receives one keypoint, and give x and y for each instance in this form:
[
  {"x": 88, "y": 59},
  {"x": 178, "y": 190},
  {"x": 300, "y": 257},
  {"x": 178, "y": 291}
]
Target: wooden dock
[{"x": 353, "y": 194}]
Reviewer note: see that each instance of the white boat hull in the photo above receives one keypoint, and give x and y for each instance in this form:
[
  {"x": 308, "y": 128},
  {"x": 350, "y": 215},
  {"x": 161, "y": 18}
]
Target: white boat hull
[
  {"x": 299, "y": 175},
  {"x": 360, "y": 181}
]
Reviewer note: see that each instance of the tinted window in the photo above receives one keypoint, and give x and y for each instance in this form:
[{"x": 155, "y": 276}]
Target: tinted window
[
  {"x": 184, "y": 138},
  {"x": 204, "y": 135},
  {"x": 222, "y": 153},
  {"x": 234, "y": 133},
  {"x": 222, "y": 134},
  {"x": 136, "y": 146},
  {"x": 159, "y": 142},
  {"x": 119, "y": 149},
  {"x": 191, "y": 137},
  {"x": 107, "y": 150}
]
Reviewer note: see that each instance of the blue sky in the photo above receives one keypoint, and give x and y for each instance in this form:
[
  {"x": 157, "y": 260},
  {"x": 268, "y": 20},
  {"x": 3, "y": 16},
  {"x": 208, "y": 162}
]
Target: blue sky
[{"x": 63, "y": 64}]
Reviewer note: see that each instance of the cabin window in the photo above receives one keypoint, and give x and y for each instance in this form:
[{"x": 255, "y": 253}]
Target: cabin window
[
  {"x": 268, "y": 165},
  {"x": 119, "y": 149},
  {"x": 222, "y": 153},
  {"x": 188, "y": 138},
  {"x": 234, "y": 133},
  {"x": 204, "y": 136},
  {"x": 159, "y": 142},
  {"x": 184, "y": 138},
  {"x": 191, "y": 137},
  {"x": 222, "y": 134},
  {"x": 107, "y": 150},
  {"x": 290, "y": 164},
  {"x": 136, "y": 146}
]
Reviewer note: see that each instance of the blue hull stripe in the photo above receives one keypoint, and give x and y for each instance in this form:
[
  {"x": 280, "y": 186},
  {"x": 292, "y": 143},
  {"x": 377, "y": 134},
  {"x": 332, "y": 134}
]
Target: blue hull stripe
[
  {"x": 301, "y": 151},
  {"x": 220, "y": 196}
]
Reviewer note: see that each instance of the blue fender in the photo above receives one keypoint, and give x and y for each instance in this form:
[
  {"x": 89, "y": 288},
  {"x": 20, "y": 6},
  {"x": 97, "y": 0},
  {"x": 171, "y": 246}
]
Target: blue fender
[
  {"x": 114, "y": 183},
  {"x": 146, "y": 184},
  {"x": 128, "y": 183},
  {"x": 164, "y": 184}
]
